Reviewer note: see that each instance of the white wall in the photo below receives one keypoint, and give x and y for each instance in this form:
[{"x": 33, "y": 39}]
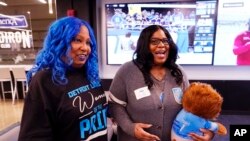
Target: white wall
[
  {"x": 196, "y": 72},
  {"x": 218, "y": 72}
]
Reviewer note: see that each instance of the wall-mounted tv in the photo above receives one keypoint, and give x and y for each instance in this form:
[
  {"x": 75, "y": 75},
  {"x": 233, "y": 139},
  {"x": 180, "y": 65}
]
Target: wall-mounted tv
[
  {"x": 209, "y": 56},
  {"x": 191, "y": 24},
  {"x": 232, "y": 19}
]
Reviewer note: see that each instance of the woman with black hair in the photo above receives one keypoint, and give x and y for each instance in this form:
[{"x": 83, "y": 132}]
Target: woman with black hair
[{"x": 146, "y": 92}]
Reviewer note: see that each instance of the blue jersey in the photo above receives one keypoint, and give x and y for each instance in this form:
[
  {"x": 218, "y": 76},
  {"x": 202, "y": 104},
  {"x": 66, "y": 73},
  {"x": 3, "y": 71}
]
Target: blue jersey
[{"x": 187, "y": 122}]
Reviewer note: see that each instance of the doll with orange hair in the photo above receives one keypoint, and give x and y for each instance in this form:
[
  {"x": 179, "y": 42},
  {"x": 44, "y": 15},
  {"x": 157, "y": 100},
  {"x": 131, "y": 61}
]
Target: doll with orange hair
[{"x": 201, "y": 106}]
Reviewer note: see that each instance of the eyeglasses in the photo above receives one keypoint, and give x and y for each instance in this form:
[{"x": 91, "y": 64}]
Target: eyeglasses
[{"x": 157, "y": 41}]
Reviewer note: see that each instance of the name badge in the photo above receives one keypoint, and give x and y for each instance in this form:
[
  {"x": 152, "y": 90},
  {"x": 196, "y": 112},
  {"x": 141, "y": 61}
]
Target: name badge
[
  {"x": 177, "y": 92},
  {"x": 142, "y": 92}
]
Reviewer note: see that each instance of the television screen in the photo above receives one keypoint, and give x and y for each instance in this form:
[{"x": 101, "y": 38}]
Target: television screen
[
  {"x": 232, "y": 20},
  {"x": 190, "y": 23}
]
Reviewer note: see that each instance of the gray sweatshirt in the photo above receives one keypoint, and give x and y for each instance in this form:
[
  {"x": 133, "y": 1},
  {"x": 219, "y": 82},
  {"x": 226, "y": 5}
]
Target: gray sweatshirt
[{"x": 132, "y": 102}]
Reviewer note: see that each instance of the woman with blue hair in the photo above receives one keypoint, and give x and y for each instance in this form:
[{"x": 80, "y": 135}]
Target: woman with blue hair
[{"x": 65, "y": 100}]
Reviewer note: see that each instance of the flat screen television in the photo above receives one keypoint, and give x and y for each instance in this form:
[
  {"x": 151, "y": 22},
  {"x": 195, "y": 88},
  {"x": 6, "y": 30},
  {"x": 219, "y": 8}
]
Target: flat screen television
[
  {"x": 206, "y": 58},
  {"x": 191, "y": 24},
  {"x": 232, "y": 20}
]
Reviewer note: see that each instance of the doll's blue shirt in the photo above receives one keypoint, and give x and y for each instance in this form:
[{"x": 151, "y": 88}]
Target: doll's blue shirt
[{"x": 186, "y": 123}]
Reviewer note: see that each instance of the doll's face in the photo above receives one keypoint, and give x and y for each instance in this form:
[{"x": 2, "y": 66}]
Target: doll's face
[{"x": 80, "y": 48}]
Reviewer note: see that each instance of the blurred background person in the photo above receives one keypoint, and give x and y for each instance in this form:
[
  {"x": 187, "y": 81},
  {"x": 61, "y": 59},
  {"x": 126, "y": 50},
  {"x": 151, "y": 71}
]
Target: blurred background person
[{"x": 242, "y": 46}]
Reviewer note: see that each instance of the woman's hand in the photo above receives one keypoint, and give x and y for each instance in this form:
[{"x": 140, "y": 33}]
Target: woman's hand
[
  {"x": 142, "y": 135},
  {"x": 207, "y": 135}
]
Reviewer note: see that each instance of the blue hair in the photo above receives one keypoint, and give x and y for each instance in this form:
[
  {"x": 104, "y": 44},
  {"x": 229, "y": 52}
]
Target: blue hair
[{"x": 57, "y": 45}]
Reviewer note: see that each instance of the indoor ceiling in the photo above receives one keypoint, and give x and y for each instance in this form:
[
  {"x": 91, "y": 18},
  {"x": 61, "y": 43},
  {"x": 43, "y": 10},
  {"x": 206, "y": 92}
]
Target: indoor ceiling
[
  {"x": 37, "y": 9},
  {"x": 21, "y": 2}
]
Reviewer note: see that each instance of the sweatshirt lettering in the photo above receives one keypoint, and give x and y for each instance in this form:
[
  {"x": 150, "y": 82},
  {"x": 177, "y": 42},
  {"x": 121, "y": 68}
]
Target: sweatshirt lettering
[{"x": 77, "y": 91}]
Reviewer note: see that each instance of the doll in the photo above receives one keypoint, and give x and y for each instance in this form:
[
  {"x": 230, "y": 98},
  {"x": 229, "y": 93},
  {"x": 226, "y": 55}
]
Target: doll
[{"x": 201, "y": 106}]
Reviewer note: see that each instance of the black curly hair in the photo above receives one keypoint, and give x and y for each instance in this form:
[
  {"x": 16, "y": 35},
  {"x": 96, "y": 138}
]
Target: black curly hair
[{"x": 144, "y": 60}]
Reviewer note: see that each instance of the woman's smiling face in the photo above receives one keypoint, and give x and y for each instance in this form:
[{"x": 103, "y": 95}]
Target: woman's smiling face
[
  {"x": 159, "y": 47},
  {"x": 80, "y": 48}
]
